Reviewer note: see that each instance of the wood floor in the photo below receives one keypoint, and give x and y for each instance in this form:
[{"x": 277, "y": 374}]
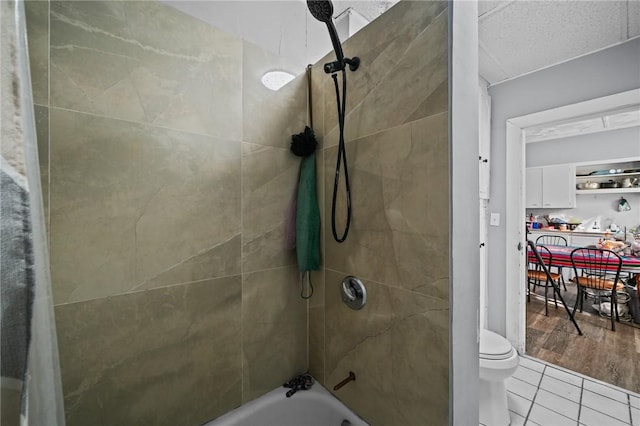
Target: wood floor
[{"x": 610, "y": 356}]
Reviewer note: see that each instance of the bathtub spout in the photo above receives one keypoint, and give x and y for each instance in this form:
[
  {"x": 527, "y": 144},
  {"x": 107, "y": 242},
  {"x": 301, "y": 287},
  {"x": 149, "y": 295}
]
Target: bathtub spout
[
  {"x": 301, "y": 382},
  {"x": 351, "y": 377}
]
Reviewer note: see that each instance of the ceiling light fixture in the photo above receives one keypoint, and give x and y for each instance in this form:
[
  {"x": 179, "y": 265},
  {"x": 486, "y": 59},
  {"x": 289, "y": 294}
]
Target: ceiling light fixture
[{"x": 274, "y": 80}]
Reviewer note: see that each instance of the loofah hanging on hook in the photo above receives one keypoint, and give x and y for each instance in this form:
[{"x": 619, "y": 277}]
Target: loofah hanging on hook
[{"x": 304, "y": 144}]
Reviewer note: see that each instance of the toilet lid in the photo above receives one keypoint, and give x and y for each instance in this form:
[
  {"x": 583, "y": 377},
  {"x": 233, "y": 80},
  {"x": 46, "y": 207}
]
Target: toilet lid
[{"x": 494, "y": 346}]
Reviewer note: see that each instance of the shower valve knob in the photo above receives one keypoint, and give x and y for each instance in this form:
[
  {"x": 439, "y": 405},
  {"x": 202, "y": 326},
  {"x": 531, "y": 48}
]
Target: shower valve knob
[{"x": 354, "y": 294}]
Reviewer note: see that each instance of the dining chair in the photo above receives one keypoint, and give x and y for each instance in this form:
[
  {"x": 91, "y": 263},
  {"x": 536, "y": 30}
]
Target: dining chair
[
  {"x": 533, "y": 253},
  {"x": 554, "y": 240},
  {"x": 598, "y": 270},
  {"x": 537, "y": 276}
]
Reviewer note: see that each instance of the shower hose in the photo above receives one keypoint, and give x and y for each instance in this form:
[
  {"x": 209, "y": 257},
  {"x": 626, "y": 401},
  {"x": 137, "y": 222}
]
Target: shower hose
[{"x": 342, "y": 160}]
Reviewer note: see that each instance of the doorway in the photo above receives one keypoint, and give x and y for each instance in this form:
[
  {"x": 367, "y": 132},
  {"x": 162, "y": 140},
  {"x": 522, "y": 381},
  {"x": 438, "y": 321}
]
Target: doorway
[{"x": 515, "y": 194}]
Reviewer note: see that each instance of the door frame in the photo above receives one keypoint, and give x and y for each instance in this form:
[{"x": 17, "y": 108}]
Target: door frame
[{"x": 515, "y": 265}]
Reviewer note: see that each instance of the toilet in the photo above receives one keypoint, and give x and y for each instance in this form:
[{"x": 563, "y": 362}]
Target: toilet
[{"x": 498, "y": 361}]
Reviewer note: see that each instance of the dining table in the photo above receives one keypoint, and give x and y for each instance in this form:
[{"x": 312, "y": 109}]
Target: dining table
[{"x": 561, "y": 256}]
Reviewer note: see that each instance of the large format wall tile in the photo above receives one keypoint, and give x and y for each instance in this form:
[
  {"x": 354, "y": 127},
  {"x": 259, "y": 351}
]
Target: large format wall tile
[
  {"x": 135, "y": 61},
  {"x": 397, "y": 346},
  {"x": 390, "y": 35},
  {"x": 169, "y": 356},
  {"x": 398, "y": 83},
  {"x": 397, "y": 147},
  {"x": 360, "y": 341},
  {"x": 316, "y": 310},
  {"x": 316, "y": 317},
  {"x": 220, "y": 260},
  {"x": 270, "y": 117},
  {"x": 10, "y": 403},
  {"x": 317, "y": 104},
  {"x": 132, "y": 202},
  {"x": 274, "y": 332},
  {"x": 42, "y": 135},
  {"x": 146, "y": 169},
  {"x": 399, "y": 188},
  {"x": 269, "y": 177},
  {"x": 37, "y": 17}
]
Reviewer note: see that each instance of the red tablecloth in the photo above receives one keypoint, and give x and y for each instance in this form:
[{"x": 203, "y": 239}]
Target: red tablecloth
[{"x": 561, "y": 256}]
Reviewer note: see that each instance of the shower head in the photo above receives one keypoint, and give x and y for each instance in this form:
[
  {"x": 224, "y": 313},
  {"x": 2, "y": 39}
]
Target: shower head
[{"x": 322, "y": 10}]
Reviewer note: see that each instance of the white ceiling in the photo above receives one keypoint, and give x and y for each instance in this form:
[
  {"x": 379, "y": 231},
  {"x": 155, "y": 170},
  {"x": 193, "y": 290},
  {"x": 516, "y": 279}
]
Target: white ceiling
[
  {"x": 515, "y": 37},
  {"x": 594, "y": 123},
  {"x": 370, "y": 9},
  {"x": 283, "y": 27},
  {"x": 518, "y": 37}
]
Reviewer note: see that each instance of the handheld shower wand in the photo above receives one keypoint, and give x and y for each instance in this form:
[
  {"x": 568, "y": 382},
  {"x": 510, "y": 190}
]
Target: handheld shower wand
[{"x": 322, "y": 10}]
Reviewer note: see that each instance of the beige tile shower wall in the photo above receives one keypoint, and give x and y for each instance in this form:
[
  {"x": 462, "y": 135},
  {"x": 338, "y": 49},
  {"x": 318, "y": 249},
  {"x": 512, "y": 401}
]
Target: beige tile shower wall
[
  {"x": 403, "y": 73},
  {"x": 397, "y": 147},
  {"x": 169, "y": 175},
  {"x": 10, "y": 402},
  {"x": 135, "y": 206},
  {"x": 168, "y": 356},
  {"x": 134, "y": 60},
  {"x": 274, "y": 316},
  {"x": 37, "y": 16},
  {"x": 145, "y": 149},
  {"x": 268, "y": 362},
  {"x": 269, "y": 168},
  {"x": 317, "y": 301}
]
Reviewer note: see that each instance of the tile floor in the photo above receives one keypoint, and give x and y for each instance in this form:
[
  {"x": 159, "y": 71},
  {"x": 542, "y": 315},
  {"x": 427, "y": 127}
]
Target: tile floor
[{"x": 546, "y": 395}]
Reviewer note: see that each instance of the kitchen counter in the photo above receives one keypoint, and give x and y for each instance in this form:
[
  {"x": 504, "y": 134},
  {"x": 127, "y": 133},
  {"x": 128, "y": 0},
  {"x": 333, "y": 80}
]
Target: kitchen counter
[
  {"x": 574, "y": 238},
  {"x": 578, "y": 238},
  {"x": 551, "y": 231}
]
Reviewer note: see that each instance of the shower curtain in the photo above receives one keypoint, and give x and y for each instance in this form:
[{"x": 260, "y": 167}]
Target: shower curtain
[{"x": 29, "y": 366}]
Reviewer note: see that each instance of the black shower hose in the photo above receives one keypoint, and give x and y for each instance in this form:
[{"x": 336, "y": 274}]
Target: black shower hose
[{"x": 342, "y": 159}]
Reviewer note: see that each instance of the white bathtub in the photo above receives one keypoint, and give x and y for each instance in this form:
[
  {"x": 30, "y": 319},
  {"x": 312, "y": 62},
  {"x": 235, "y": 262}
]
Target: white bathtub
[{"x": 313, "y": 407}]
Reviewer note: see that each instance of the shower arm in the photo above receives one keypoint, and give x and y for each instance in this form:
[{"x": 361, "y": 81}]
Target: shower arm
[
  {"x": 332, "y": 67},
  {"x": 341, "y": 61}
]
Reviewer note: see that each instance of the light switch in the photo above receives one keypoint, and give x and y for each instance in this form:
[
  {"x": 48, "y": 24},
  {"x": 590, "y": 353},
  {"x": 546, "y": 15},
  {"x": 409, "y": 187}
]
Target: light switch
[{"x": 495, "y": 219}]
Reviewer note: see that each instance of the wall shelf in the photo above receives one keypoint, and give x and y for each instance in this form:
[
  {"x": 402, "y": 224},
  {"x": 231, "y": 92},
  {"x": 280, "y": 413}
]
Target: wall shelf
[
  {"x": 610, "y": 175},
  {"x": 607, "y": 191},
  {"x": 631, "y": 172}
]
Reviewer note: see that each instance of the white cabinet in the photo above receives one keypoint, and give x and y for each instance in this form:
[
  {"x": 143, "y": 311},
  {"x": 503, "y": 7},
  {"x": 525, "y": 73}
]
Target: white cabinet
[
  {"x": 533, "y": 189},
  {"x": 558, "y": 186},
  {"x": 551, "y": 187}
]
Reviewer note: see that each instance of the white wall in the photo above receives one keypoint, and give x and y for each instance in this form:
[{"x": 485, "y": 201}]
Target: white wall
[
  {"x": 603, "y": 73},
  {"x": 283, "y": 27},
  {"x": 464, "y": 297},
  {"x": 603, "y": 205},
  {"x": 603, "y": 146}
]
